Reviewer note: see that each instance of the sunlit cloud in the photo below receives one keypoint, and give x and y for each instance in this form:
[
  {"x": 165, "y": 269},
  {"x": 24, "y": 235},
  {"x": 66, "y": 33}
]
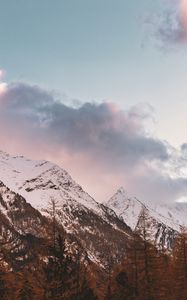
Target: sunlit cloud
[
  {"x": 101, "y": 145},
  {"x": 3, "y": 87},
  {"x": 182, "y": 200},
  {"x": 2, "y": 74},
  {"x": 183, "y": 13},
  {"x": 170, "y": 26}
]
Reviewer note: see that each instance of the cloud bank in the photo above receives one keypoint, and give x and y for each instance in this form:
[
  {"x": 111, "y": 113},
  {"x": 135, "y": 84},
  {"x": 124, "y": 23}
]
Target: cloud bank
[{"x": 101, "y": 145}]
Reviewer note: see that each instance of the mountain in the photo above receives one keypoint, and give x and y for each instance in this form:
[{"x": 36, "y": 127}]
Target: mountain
[
  {"x": 24, "y": 232},
  {"x": 49, "y": 189},
  {"x": 163, "y": 221},
  {"x": 37, "y": 258},
  {"x": 102, "y": 230},
  {"x": 55, "y": 239}
]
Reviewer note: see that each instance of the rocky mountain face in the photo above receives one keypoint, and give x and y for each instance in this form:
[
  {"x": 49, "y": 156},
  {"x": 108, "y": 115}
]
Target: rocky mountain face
[
  {"x": 163, "y": 222},
  {"x": 35, "y": 193},
  {"x": 23, "y": 230},
  {"x": 57, "y": 242},
  {"x": 41, "y": 190}
]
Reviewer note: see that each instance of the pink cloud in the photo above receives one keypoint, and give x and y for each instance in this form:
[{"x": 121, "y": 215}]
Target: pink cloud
[
  {"x": 101, "y": 145},
  {"x": 170, "y": 26},
  {"x": 3, "y": 88},
  {"x": 183, "y": 13}
]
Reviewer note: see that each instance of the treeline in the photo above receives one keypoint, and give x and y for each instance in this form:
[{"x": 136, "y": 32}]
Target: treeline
[
  {"x": 149, "y": 273},
  {"x": 53, "y": 270},
  {"x": 57, "y": 276},
  {"x": 49, "y": 267}
]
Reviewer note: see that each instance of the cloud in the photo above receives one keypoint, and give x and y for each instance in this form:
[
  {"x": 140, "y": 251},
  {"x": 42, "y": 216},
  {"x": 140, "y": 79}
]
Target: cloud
[
  {"x": 170, "y": 26},
  {"x": 3, "y": 85},
  {"x": 93, "y": 128},
  {"x": 101, "y": 145},
  {"x": 2, "y": 74}
]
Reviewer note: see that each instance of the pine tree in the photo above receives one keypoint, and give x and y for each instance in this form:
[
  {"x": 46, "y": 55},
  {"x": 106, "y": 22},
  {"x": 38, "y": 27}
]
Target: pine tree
[
  {"x": 3, "y": 283},
  {"x": 25, "y": 289},
  {"x": 145, "y": 262},
  {"x": 180, "y": 265}
]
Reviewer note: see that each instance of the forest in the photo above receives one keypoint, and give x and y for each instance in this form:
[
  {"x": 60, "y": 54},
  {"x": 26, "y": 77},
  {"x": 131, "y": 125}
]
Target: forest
[{"x": 51, "y": 269}]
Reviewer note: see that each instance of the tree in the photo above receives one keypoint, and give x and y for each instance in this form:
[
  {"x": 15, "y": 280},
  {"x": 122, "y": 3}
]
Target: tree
[
  {"x": 180, "y": 265},
  {"x": 3, "y": 283},
  {"x": 25, "y": 289},
  {"x": 140, "y": 274}
]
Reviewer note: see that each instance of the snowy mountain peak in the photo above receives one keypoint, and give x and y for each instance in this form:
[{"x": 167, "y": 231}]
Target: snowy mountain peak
[
  {"x": 41, "y": 181},
  {"x": 122, "y": 191},
  {"x": 38, "y": 183},
  {"x": 128, "y": 209},
  {"x": 163, "y": 220}
]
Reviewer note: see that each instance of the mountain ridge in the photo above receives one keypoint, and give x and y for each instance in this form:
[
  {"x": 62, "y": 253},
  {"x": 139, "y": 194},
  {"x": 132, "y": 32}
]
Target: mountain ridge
[
  {"x": 95, "y": 226},
  {"x": 163, "y": 227}
]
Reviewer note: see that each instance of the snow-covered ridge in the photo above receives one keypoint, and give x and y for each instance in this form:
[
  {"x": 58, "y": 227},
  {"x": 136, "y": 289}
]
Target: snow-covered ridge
[
  {"x": 129, "y": 209},
  {"x": 93, "y": 225},
  {"x": 163, "y": 222},
  {"x": 40, "y": 181}
]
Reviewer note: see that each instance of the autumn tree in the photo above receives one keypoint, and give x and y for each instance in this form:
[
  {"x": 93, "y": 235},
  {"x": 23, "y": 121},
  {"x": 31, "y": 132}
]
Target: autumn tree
[{"x": 180, "y": 265}]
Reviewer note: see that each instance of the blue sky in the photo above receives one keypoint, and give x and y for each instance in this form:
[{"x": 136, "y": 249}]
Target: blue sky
[
  {"x": 125, "y": 52},
  {"x": 73, "y": 45},
  {"x": 95, "y": 50}
]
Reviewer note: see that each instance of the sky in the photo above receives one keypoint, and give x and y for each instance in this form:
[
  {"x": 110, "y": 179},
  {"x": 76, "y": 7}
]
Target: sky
[{"x": 98, "y": 87}]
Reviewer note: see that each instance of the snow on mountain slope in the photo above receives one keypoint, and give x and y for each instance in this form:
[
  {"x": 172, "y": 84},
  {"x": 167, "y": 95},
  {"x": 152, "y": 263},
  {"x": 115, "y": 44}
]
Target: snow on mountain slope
[
  {"x": 20, "y": 215},
  {"x": 176, "y": 213},
  {"x": 128, "y": 209},
  {"x": 95, "y": 226},
  {"x": 24, "y": 232},
  {"x": 40, "y": 181},
  {"x": 163, "y": 222}
]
